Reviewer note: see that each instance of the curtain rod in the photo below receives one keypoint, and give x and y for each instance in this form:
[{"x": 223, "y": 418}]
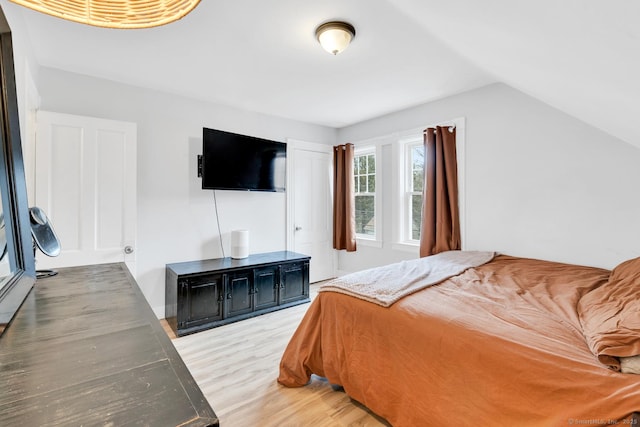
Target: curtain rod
[{"x": 450, "y": 128}]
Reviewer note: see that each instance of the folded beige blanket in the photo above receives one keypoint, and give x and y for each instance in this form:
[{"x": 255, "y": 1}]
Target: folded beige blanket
[{"x": 387, "y": 284}]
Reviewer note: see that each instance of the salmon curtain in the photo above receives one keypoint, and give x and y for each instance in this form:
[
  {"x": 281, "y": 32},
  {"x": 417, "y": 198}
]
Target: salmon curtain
[
  {"x": 344, "y": 211},
  {"x": 440, "y": 218}
]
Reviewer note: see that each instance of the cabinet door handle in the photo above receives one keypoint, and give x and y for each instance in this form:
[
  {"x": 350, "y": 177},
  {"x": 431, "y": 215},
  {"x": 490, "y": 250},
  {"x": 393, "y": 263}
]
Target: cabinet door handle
[{"x": 229, "y": 296}]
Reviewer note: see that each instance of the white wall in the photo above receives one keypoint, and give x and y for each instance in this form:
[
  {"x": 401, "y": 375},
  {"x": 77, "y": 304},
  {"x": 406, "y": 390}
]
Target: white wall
[
  {"x": 539, "y": 183},
  {"x": 176, "y": 219}
]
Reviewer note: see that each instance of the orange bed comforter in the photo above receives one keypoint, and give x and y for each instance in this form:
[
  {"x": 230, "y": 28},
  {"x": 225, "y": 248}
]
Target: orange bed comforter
[{"x": 499, "y": 345}]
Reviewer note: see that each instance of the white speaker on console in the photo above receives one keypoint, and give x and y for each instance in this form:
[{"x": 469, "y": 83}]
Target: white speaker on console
[{"x": 239, "y": 244}]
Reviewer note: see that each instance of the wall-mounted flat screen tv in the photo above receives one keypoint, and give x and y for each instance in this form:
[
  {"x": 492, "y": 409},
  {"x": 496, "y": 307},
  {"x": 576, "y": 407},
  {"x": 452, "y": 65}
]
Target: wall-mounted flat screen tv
[{"x": 238, "y": 162}]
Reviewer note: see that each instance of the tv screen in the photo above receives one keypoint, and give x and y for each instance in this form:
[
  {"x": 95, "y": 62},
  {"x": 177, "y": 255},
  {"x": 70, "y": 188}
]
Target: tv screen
[{"x": 238, "y": 162}]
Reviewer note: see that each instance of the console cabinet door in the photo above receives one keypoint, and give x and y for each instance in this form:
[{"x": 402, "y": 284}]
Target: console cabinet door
[
  {"x": 294, "y": 283},
  {"x": 239, "y": 289},
  {"x": 265, "y": 282},
  {"x": 201, "y": 300}
]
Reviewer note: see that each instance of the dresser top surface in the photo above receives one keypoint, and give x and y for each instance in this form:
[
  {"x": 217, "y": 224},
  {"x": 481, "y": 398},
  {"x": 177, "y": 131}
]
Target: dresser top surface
[{"x": 85, "y": 348}]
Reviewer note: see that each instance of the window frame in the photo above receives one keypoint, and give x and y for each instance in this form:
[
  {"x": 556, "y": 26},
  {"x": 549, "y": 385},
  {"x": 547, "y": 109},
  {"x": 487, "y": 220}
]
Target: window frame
[
  {"x": 361, "y": 149},
  {"x": 409, "y": 191}
]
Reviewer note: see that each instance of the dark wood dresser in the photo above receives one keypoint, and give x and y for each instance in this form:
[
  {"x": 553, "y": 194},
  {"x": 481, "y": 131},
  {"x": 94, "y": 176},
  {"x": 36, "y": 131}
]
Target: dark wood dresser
[{"x": 86, "y": 349}]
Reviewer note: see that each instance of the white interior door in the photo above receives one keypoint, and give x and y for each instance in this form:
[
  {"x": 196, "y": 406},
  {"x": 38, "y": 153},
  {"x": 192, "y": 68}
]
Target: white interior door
[
  {"x": 309, "y": 200},
  {"x": 85, "y": 181}
]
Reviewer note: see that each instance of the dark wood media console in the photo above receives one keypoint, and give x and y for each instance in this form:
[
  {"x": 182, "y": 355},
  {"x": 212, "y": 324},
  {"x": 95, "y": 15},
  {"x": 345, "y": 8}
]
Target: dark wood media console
[{"x": 204, "y": 294}]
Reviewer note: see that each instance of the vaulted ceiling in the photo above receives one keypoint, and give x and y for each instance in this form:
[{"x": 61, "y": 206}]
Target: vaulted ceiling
[{"x": 580, "y": 56}]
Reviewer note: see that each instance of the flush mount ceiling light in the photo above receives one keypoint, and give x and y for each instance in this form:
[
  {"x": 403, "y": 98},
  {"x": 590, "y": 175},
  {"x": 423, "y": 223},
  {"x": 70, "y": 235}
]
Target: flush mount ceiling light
[
  {"x": 114, "y": 14},
  {"x": 335, "y": 36}
]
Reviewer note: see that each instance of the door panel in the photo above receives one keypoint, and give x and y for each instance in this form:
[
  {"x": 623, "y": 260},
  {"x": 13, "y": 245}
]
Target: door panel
[
  {"x": 293, "y": 286},
  {"x": 203, "y": 299},
  {"x": 110, "y": 174},
  {"x": 266, "y": 287},
  {"x": 85, "y": 181},
  {"x": 311, "y": 219},
  {"x": 65, "y": 191},
  {"x": 239, "y": 294}
]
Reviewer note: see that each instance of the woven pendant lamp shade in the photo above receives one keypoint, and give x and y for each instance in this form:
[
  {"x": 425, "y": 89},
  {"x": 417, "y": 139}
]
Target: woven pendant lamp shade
[{"x": 114, "y": 13}]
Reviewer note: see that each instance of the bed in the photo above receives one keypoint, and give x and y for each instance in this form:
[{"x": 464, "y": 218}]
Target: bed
[{"x": 512, "y": 341}]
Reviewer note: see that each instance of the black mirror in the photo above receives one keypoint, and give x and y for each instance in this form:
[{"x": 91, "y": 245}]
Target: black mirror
[{"x": 17, "y": 266}]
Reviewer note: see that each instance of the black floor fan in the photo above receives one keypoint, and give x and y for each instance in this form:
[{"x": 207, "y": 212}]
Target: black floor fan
[{"x": 44, "y": 238}]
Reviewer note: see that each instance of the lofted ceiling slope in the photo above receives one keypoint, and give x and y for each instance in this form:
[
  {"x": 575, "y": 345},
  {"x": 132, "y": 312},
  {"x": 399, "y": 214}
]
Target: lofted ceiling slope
[{"x": 580, "y": 56}]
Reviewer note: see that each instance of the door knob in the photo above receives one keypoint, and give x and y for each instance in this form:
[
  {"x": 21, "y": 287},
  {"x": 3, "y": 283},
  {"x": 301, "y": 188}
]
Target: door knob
[
  {"x": 128, "y": 250},
  {"x": 298, "y": 228}
]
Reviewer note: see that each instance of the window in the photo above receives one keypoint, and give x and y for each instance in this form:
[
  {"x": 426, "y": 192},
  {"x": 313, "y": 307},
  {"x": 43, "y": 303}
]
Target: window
[
  {"x": 364, "y": 170},
  {"x": 409, "y": 183},
  {"x": 415, "y": 177}
]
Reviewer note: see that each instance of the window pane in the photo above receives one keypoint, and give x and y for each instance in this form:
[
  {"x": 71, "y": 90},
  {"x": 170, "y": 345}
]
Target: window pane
[
  {"x": 362, "y": 165},
  {"x": 372, "y": 163},
  {"x": 416, "y": 216},
  {"x": 418, "y": 179},
  {"x": 417, "y": 168},
  {"x": 417, "y": 157},
  {"x": 365, "y": 215},
  {"x": 363, "y": 184}
]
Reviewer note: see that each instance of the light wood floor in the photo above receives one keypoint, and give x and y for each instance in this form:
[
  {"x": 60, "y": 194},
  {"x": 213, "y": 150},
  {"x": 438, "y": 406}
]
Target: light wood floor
[{"x": 236, "y": 367}]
